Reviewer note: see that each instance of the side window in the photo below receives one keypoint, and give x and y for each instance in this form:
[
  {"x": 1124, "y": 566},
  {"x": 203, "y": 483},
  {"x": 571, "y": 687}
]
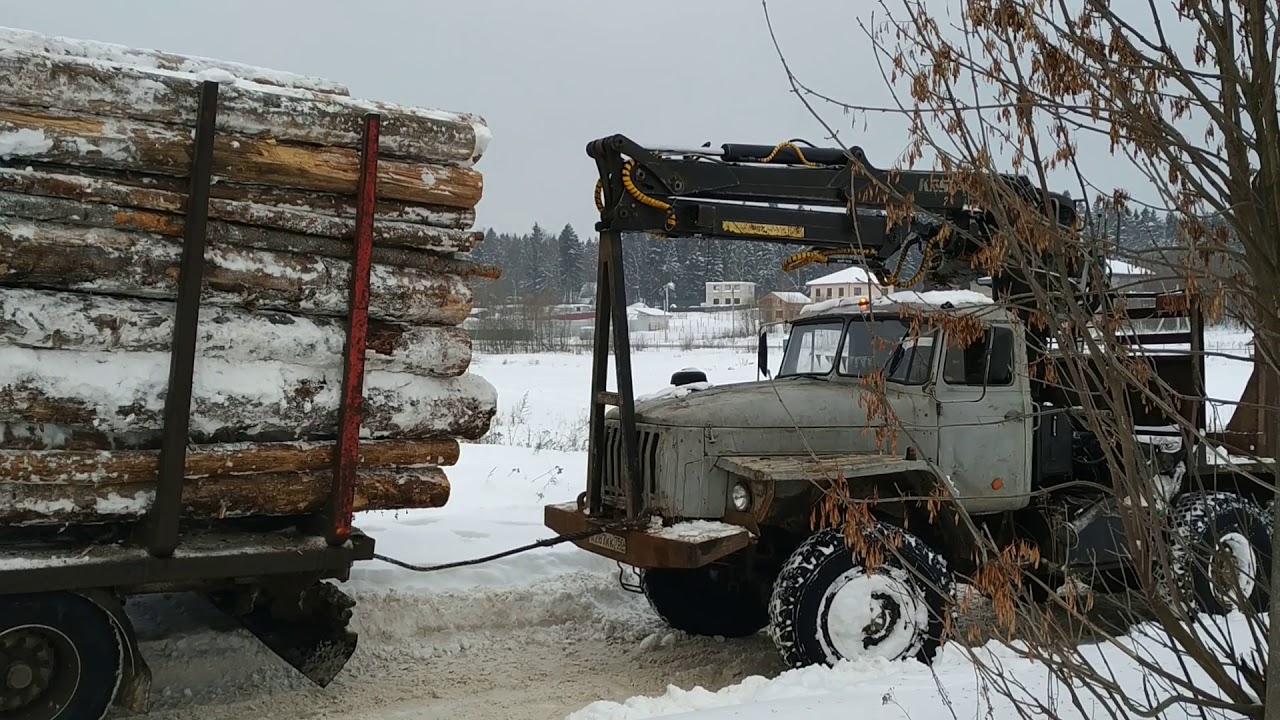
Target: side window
[
  {"x": 911, "y": 361},
  {"x": 964, "y": 365}
]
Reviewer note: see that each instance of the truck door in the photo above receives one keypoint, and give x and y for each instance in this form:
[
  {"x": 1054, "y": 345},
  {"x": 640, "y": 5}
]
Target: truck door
[{"x": 984, "y": 420}]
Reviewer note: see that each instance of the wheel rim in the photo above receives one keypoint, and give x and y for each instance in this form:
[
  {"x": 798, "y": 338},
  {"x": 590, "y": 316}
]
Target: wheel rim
[
  {"x": 1233, "y": 569},
  {"x": 39, "y": 672},
  {"x": 872, "y": 615}
]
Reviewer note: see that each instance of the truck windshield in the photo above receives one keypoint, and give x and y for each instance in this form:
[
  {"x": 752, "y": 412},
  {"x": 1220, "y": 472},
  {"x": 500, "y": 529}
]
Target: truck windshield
[
  {"x": 815, "y": 349},
  {"x": 869, "y": 345},
  {"x": 811, "y": 349}
]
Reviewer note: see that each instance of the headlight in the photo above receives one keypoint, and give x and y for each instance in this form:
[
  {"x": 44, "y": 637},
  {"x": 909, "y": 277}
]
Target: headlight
[{"x": 740, "y": 497}]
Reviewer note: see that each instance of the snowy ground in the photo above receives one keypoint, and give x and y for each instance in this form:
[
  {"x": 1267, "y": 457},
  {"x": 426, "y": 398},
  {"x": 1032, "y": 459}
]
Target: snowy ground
[{"x": 548, "y": 634}]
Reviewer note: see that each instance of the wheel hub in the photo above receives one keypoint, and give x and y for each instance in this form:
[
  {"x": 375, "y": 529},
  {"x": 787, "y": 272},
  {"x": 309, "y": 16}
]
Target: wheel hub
[
  {"x": 29, "y": 659},
  {"x": 887, "y": 616},
  {"x": 1233, "y": 569}
]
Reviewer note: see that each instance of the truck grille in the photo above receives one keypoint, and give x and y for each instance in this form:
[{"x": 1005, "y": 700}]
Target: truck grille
[{"x": 614, "y": 490}]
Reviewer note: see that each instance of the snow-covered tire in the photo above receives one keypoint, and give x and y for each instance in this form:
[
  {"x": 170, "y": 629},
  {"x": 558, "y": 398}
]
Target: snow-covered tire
[
  {"x": 62, "y": 656},
  {"x": 826, "y": 606},
  {"x": 1220, "y": 526},
  {"x": 703, "y": 602}
]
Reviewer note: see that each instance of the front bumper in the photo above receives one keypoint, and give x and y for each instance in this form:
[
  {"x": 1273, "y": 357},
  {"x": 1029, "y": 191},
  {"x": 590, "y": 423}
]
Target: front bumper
[{"x": 691, "y": 546}]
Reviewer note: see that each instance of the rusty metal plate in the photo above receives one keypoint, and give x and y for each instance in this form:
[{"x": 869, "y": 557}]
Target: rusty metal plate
[
  {"x": 640, "y": 548},
  {"x": 825, "y": 467}
]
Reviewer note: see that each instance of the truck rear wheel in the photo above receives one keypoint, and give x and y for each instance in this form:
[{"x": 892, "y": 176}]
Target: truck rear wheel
[
  {"x": 716, "y": 600},
  {"x": 60, "y": 656},
  {"x": 1222, "y": 552},
  {"x": 829, "y": 606}
]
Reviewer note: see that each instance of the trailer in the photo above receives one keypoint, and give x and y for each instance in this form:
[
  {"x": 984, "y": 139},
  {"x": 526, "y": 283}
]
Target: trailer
[{"x": 67, "y": 648}]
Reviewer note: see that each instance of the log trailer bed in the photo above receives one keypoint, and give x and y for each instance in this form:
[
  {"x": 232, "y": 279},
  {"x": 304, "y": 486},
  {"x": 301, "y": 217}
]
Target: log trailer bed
[{"x": 68, "y": 649}]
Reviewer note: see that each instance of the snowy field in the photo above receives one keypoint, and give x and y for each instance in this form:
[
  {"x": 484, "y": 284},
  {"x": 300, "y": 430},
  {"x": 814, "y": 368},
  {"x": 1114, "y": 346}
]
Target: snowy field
[{"x": 548, "y": 634}]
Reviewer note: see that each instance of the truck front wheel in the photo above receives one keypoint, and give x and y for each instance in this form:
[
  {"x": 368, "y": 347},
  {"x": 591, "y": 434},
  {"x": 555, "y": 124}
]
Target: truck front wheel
[
  {"x": 1222, "y": 552},
  {"x": 60, "y": 658},
  {"x": 829, "y": 604},
  {"x": 717, "y": 600}
]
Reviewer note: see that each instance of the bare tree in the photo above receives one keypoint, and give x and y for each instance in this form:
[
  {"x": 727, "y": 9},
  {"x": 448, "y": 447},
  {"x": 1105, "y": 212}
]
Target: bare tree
[{"x": 1186, "y": 92}]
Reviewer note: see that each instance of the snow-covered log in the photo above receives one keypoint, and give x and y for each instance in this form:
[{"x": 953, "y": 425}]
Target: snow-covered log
[
  {"x": 245, "y": 109},
  {"x": 60, "y": 138},
  {"x": 51, "y": 320},
  {"x": 326, "y": 215},
  {"x": 46, "y": 209},
  {"x": 142, "y": 466},
  {"x": 122, "y": 394},
  {"x": 145, "y": 58},
  {"x": 218, "y": 497},
  {"x": 138, "y": 264}
]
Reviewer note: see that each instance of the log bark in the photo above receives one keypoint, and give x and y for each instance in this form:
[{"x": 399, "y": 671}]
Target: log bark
[
  {"x": 142, "y": 466},
  {"x": 88, "y": 214},
  {"x": 219, "y": 497},
  {"x": 245, "y": 109},
  {"x": 59, "y": 138},
  {"x": 172, "y": 62},
  {"x": 47, "y": 193},
  {"x": 49, "y": 320},
  {"x": 146, "y": 265},
  {"x": 231, "y": 401}
]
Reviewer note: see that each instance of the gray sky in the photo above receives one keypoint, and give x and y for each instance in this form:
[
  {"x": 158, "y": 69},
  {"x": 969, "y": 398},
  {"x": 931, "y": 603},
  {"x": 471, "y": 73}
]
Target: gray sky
[{"x": 548, "y": 76}]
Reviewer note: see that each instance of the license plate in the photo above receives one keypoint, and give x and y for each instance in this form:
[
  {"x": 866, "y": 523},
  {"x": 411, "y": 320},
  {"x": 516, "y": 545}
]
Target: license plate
[{"x": 609, "y": 542}]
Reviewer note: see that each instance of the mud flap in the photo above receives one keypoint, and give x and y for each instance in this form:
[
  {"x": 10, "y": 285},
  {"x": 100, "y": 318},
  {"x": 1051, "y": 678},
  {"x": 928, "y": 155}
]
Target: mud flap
[{"x": 306, "y": 625}]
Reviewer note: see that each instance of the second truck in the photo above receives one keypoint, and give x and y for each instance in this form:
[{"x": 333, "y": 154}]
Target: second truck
[{"x": 729, "y": 477}]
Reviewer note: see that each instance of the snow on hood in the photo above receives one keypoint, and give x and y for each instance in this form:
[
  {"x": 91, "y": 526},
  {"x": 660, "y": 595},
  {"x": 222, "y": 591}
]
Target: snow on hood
[{"x": 674, "y": 391}]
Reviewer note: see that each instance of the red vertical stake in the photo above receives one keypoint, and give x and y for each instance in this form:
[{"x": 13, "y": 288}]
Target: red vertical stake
[{"x": 350, "y": 414}]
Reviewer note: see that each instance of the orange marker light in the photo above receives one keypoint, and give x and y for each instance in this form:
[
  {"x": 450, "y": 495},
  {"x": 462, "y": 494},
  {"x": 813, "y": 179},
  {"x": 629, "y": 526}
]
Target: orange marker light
[{"x": 997, "y": 484}]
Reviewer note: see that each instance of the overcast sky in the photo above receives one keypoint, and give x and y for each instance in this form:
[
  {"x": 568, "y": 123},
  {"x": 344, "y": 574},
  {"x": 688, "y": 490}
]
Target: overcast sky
[{"x": 547, "y": 75}]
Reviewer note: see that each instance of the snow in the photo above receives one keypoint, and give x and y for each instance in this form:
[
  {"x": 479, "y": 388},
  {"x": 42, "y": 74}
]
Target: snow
[
  {"x": 1120, "y": 267},
  {"x": 797, "y": 298},
  {"x": 849, "y": 275},
  {"x": 23, "y": 143},
  {"x": 935, "y": 298},
  {"x": 674, "y": 391},
  {"x": 696, "y": 531}
]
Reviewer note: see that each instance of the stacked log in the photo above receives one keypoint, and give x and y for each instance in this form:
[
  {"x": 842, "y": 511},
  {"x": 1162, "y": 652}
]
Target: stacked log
[{"x": 96, "y": 145}]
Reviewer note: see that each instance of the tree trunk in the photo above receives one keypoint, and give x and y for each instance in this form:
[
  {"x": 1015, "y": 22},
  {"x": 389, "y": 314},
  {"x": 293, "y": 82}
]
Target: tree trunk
[
  {"x": 114, "y": 217},
  {"x": 48, "y": 320},
  {"x": 52, "y": 137},
  {"x": 142, "y": 466},
  {"x": 232, "y": 401},
  {"x": 219, "y": 497},
  {"x": 40, "y": 81},
  {"x": 146, "y": 265},
  {"x": 102, "y": 52}
]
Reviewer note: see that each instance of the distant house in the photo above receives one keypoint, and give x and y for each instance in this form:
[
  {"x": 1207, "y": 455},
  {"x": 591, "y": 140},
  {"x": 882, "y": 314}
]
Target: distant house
[
  {"x": 851, "y": 282},
  {"x": 642, "y": 318},
  {"x": 782, "y": 306},
  {"x": 719, "y": 294}
]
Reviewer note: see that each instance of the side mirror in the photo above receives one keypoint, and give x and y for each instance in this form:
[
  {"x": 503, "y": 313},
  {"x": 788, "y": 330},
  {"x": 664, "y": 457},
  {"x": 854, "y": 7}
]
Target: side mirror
[{"x": 762, "y": 354}]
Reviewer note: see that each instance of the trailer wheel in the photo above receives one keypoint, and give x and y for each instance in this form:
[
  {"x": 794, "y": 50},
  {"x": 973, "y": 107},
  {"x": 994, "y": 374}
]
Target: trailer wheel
[
  {"x": 1221, "y": 552},
  {"x": 827, "y": 606},
  {"x": 716, "y": 600},
  {"x": 60, "y": 656}
]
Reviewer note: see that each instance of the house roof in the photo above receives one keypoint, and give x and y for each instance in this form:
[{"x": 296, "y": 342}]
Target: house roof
[
  {"x": 639, "y": 309},
  {"x": 798, "y": 298},
  {"x": 844, "y": 277},
  {"x": 1120, "y": 267}
]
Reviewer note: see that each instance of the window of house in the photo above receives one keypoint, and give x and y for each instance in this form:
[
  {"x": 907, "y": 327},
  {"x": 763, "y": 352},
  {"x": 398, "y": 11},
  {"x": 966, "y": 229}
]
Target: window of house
[
  {"x": 737, "y": 301},
  {"x": 857, "y": 291},
  {"x": 715, "y": 301},
  {"x": 841, "y": 292},
  {"x": 777, "y": 314},
  {"x": 965, "y": 365},
  {"x": 829, "y": 291}
]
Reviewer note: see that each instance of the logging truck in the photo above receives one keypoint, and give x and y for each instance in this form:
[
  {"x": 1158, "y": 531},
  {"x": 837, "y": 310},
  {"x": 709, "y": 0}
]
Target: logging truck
[
  {"x": 212, "y": 353},
  {"x": 729, "y": 478}
]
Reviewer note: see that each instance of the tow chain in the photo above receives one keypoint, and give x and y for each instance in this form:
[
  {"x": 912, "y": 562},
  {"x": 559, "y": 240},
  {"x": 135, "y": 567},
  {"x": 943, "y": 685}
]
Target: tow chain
[{"x": 545, "y": 542}]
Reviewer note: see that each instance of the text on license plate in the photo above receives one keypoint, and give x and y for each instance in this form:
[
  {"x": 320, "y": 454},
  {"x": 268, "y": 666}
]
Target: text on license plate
[{"x": 609, "y": 542}]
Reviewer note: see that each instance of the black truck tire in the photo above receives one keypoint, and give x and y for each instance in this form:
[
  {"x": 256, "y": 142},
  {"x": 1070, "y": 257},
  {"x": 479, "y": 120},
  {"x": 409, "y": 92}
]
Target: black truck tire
[
  {"x": 827, "y": 607},
  {"x": 1221, "y": 551},
  {"x": 61, "y": 655},
  {"x": 710, "y": 601}
]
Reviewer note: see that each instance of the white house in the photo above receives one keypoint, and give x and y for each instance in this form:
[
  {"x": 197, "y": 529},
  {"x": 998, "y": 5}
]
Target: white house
[
  {"x": 642, "y": 318},
  {"x": 851, "y": 282},
  {"x": 719, "y": 294}
]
